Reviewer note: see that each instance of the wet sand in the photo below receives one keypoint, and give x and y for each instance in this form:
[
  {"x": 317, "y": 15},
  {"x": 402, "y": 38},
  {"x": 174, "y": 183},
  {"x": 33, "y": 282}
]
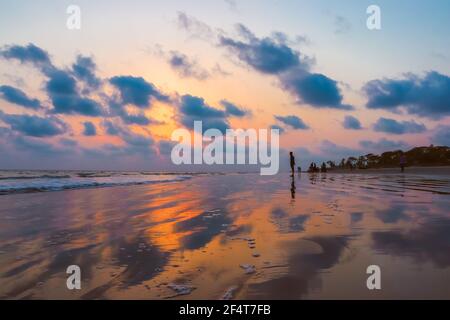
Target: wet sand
[
  {"x": 232, "y": 236},
  {"x": 445, "y": 170}
]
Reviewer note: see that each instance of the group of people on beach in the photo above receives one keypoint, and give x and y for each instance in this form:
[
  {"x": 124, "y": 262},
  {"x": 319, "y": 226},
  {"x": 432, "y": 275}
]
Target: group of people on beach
[{"x": 313, "y": 168}]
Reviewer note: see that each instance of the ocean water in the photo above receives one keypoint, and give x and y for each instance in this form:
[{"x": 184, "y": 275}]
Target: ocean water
[{"x": 22, "y": 181}]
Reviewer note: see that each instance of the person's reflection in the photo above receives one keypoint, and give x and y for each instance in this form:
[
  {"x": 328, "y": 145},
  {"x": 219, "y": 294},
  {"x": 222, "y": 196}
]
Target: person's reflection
[{"x": 292, "y": 188}]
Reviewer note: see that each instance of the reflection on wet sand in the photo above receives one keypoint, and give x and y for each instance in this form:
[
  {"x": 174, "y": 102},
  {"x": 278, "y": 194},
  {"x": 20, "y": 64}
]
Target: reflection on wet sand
[{"x": 232, "y": 236}]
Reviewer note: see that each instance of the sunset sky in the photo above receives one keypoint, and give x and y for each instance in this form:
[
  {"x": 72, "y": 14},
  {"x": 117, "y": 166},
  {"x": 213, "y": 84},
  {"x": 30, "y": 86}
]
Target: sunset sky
[{"x": 109, "y": 95}]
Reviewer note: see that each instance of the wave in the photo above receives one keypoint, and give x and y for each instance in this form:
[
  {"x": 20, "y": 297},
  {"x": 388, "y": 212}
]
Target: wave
[
  {"x": 55, "y": 183},
  {"x": 45, "y": 176}
]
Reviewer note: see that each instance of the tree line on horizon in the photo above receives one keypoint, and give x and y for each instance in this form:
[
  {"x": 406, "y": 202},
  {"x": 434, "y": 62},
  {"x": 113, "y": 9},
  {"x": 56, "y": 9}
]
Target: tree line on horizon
[{"x": 418, "y": 156}]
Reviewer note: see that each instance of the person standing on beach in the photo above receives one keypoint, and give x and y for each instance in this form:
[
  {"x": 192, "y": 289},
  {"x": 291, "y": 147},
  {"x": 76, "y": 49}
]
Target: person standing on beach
[
  {"x": 402, "y": 162},
  {"x": 292, "y": 162}
]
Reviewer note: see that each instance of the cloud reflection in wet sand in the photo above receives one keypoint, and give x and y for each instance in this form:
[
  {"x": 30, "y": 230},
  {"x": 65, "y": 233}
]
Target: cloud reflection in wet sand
[{"x": 190, "y": 239}]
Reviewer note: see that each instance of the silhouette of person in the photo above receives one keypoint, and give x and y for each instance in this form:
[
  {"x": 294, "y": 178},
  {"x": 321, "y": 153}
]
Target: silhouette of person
[{"x": 292, "y": 163}]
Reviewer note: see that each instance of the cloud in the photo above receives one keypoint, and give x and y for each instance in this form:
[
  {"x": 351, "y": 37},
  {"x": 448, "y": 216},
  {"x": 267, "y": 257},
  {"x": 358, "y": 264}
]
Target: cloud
[
  {"x": 427, "y": 96},
  {"x": 111, "y": 128},
  {"x": 382, "y": 145},
  {"x": 137, "y": 91},
  {"x": 396, "y": 127},
  {"x": 442, "y": 135},
  {"x": 165, "y": 147},
  {"x": 293, "y": 121},
  {"x": 185, "y": 67},
  {"x": 195, "y": 109},
  {"x": 89, "y": 129},
  {"x": 68, "y": 142},
  {"x": 137, "y": 117},
  {"x": 84, "y": 69},
  {"x": 138, "y": 144},
  {"x": 267, "y": 55},
  {"x": 61, "y": 85},
  {"x": 272, "y": 55},
  {"x": 26, "y": 54},
  {"x": 62, "y": 90},
  {"x": 233, "y": 110},
  {"x": 40, "y": 147},
  {"x": 275, "y": 126},
  {"x": 342, "y": 25},
  {"x": 17, "y": 96},
  {"x": 351, "y": 123},
  {"x": 194, "y": 27},
  {"x": 314, "y": 89},
  {"x": 33, "y": 125},
  {"x": 196, "y": 106}
]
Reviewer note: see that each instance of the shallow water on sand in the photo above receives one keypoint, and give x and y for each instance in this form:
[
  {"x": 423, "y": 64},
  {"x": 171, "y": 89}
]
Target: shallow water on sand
[{"x": 232, "y": 236}]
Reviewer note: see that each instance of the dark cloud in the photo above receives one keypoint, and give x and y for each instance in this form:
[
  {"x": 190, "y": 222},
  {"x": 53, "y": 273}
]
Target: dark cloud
[
  {"x": 186, "y": 67},
  {"x": 137, "y": 144},
  {"x": 120, "y": 110},
  {"x": 195, "y": 109},
  {"x": 137, "y": 91},
  {"x": 139, "y": 118},
  {"x": 17, "y": 96},
  {"x": 427, "y": 96},
  {"x": 112, "y": 128},
  {"x": 442, "y": 136},
  {"x": 27, "y": 54},
  {"x": 61, "y": 86},
  {"x": 275, "y": 126},
  {"x": 396, "y": 127},
  {"x": 267, "y": 55},
  {"x": 272, "y": 55},
  {"x": 165, "y": 147},
  {"x": 89, "y": 129},
  {"x": 293, "y": 121},
  {"x": 62, "y": 90},
  {"x": 233, "y": 110},
  {"x": 314, "y": 89},
  {"x": 196, "y": 106},
  {"x": 33, "y": 125},
  {"x": 351, "y": 123},
  {"x": 84, "y": 69},
  {"x": 382, "y": 145}
]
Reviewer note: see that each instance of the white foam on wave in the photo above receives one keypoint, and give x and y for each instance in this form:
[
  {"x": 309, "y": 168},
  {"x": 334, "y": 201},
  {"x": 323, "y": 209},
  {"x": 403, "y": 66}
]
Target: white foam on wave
[{"x": 49, "y": 183}]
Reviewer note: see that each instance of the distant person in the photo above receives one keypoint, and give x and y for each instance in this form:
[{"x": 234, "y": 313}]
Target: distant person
[
  {"x": 323, "y": 168},
  {"x": 292, "y": 162},
  {"x": 402, "y": 162}
]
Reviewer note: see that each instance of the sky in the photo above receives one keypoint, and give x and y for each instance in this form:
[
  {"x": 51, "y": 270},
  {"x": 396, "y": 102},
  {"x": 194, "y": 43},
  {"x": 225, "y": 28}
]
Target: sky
[{"x": 110, "y": 94}]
